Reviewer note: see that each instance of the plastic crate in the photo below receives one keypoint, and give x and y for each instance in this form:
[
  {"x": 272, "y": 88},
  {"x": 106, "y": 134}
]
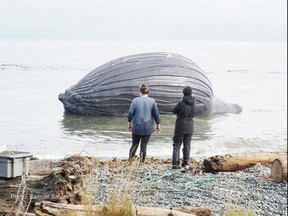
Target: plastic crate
[{"x": 13, "y": 165}]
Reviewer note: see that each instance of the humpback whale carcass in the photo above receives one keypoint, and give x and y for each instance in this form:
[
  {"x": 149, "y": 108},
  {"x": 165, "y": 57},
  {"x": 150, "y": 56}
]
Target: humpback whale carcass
[{"x": 110, "y": 88}]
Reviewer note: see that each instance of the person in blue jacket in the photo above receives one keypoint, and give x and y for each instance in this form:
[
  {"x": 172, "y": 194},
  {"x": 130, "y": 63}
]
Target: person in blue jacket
[
  {"x": 142, "y": 113},
  {"x": 184, "y": 128}
]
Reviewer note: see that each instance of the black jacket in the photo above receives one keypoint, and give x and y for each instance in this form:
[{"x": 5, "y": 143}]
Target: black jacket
[{"x": 185, "y": 110}]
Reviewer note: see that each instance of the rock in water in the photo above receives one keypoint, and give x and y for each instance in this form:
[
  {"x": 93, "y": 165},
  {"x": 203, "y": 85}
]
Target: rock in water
[{"x": 110, "y": 88}]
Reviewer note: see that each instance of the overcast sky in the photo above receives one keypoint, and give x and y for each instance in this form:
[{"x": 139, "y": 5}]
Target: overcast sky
[{"x": 249, "y": 20}]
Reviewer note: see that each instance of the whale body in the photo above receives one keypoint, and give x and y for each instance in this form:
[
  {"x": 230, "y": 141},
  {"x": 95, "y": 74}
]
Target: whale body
[{"x": 110, "y": 88}]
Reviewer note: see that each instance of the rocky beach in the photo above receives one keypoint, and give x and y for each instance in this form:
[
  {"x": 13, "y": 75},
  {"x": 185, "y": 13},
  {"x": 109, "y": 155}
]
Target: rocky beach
[
  {"x": 92, "y": 181},
  {"x": 157, "y": 185}
]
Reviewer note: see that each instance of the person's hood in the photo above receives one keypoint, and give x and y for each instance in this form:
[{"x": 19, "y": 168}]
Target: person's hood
[{"x": 188, "y": 99}]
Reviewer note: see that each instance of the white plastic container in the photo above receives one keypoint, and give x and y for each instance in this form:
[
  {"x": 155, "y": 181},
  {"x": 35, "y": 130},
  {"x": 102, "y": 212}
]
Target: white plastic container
[{"x": 14, "y": 164}]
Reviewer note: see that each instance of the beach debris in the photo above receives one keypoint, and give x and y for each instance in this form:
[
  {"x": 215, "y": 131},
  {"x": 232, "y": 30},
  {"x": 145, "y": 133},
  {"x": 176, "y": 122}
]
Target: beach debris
[
  {"x": 239, "y": 161},
  {"x": 56, "y": 209},
  {"x": 279, "y": 169}
]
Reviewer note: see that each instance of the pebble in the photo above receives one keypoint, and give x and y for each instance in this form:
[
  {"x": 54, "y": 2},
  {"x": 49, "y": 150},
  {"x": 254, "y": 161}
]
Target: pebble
[{"x": 159, "y": 186}]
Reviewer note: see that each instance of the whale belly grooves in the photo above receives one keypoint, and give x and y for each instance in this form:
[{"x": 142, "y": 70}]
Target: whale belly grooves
[{"x": 110, "y": 88}]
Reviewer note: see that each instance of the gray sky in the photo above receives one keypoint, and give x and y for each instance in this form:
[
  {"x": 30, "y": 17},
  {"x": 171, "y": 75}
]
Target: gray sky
[{"x": 249, "y": 20}]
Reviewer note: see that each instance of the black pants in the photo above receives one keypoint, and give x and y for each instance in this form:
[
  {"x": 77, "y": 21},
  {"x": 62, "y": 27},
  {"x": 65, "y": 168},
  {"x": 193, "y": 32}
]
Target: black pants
[
  {"x": 143, "y": 146},
  {"x": 178, "y": 139}
]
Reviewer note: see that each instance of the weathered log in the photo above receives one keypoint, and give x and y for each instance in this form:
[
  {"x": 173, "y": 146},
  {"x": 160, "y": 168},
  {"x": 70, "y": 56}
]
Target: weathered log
[
  {"x": 279, "y": 169},
  {"x": 9, "y": 213},
  {"x": 239, "y": 161},
  {"x": 46, "y": 208},
  {"x": 199, "y": 211},
  {"x": 152, "y": 211}
]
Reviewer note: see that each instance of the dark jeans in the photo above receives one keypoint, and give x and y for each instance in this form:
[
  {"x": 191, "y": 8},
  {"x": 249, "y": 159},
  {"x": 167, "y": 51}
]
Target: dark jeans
[
  {"x": 178, "y": 139},
  {"x": 143, "y": 146}
]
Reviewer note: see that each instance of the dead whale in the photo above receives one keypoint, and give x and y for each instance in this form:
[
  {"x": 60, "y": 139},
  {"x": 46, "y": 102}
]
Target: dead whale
[{"x": 110, "y": 88}]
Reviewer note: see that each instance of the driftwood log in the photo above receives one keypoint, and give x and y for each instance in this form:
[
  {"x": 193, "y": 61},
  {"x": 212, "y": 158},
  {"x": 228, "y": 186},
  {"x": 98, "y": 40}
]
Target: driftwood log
[
  {"x": 279, "y": 169},
  {"x": 239, "y": 161},
  {"x": 46, "y": 208}
]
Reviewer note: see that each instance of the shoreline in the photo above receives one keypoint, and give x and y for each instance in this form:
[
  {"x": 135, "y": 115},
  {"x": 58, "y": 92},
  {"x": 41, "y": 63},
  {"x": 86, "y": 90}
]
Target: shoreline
[{"x": 155, "y": 184}]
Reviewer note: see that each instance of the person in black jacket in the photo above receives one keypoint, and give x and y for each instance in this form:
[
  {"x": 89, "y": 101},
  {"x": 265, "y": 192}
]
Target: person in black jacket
[{"x": 184, "y": 128}]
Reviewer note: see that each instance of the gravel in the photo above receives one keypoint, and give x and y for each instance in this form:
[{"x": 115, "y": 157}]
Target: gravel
[{"x": 160, "y": 186}]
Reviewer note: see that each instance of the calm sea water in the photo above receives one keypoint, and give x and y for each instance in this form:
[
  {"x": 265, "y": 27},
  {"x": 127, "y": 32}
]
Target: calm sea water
[{"x": 34, "y": 71}]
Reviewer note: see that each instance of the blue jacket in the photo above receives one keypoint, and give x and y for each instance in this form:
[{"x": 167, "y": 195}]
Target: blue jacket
[{"x": 143, "y": 111}]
